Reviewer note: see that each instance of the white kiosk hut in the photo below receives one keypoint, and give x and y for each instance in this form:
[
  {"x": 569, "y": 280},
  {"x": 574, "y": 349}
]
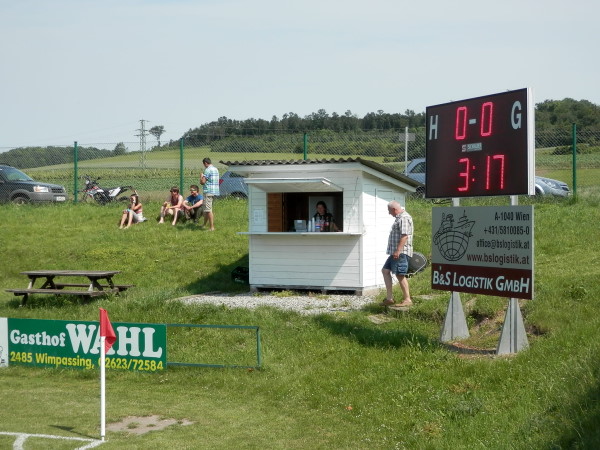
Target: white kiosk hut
[{"x": 282, "y": 200}]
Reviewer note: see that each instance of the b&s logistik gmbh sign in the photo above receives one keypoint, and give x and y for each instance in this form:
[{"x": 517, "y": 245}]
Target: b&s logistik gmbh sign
[
  {"x": 483, "y": 250},
  {"x": 76, "y": 344}
]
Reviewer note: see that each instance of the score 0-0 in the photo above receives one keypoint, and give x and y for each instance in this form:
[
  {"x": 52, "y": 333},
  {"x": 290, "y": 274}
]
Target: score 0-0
[{"x": 481, "y": 146}]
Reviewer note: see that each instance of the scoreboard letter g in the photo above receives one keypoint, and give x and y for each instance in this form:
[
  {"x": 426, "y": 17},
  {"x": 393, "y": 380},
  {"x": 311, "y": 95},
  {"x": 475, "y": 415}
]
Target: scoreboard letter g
[{"x": 515, "y": 118}]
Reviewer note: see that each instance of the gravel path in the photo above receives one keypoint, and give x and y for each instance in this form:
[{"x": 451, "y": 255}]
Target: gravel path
[{"x": 303, "y": 304}]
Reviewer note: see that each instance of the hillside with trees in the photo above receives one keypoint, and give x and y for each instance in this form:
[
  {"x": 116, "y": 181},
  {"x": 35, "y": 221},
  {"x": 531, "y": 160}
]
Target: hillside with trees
[
  {"x": 27, "y": 157},
  {"x": 549, "y": 115},
  {"x": 320, "y": 120},
  {"x": 347, "y": 131}
]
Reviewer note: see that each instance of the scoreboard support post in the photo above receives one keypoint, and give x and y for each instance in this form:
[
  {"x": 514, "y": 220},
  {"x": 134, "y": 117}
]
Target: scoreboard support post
[
  {"x": 455, "y": 324},
  {"x": 514, "y": 336}
]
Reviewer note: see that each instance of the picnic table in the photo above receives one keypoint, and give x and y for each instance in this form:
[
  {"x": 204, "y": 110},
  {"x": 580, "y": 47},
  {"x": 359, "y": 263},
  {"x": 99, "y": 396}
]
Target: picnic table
[{"x": 99, "y": 283}]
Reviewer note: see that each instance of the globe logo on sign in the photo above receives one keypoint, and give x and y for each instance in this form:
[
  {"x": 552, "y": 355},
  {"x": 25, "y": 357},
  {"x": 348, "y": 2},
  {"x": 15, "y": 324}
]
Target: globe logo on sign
[{"x": 453, "y": 240}]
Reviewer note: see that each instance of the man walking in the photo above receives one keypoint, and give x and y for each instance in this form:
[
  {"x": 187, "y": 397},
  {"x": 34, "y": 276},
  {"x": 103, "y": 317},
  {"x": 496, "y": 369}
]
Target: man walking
[
  {"x": 399, "y": 249},
  {"x": 210, "y": 181}
]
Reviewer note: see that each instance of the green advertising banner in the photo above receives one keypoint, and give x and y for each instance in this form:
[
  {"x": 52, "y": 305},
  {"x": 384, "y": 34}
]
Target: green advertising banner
[{"x": 76, "y": 344}]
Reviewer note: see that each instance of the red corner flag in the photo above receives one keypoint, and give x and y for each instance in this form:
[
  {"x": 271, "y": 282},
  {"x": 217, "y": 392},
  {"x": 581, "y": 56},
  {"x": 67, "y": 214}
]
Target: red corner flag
[{"x": 106, "y": 330}]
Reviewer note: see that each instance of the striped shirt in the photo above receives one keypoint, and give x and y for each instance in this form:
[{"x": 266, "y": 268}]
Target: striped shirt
[
  {"x": 211, "y": 186},
  {"x": 403, "y": 225}
]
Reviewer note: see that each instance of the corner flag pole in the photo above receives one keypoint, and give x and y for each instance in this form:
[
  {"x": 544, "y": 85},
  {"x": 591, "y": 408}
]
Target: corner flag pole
[
  {"x": 102, "y": 388},
  {"x": 107, "y": 339}
]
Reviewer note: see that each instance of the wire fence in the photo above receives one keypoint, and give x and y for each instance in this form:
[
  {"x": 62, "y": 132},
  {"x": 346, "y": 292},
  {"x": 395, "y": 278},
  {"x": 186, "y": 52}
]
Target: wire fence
[{"x": 153, "y": 170}]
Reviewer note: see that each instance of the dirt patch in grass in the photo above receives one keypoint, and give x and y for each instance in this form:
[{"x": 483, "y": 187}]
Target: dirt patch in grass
[{"x": 142, "y": 425}]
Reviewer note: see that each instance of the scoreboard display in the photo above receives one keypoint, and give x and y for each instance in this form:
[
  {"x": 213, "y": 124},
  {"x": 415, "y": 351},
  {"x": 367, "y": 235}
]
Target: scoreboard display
[{"x": 481, "y": 146}]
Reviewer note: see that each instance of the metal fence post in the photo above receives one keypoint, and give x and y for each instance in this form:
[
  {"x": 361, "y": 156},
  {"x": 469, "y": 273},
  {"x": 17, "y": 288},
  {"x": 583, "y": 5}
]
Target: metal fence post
[
  {"x": 258, "y": 345},
  {"x": 305, "y": 146},
  {"x": 75, "y": 172},
  {"x": 574, "y": 160},
  {"x": 181, "y": 164}
]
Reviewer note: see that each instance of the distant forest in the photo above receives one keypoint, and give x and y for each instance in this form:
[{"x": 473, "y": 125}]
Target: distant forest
[
  {"x": 550, "y": 116},
  {"x": 26, "y": 157}
]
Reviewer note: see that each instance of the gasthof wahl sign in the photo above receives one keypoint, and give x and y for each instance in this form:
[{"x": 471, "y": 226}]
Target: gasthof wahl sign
[
  {"x": 76, "y": 344},
  {"x": 483, "y": 250}
]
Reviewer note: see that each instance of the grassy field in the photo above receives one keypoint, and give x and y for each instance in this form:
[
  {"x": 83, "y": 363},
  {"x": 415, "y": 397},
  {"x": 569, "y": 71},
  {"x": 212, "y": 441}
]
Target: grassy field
[{"x": 328, "y": 381}]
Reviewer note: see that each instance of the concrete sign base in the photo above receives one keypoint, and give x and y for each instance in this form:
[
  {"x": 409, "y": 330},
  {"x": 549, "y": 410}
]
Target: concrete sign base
[
  {"x": 455, "y": 324},
  {"x": 513, "y": 337}
]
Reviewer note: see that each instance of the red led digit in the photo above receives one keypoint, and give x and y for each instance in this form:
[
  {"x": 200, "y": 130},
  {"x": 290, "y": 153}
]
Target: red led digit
[
  {"x": 465, "y": 174},
  {"x": 501, "y": 159},
  {"x": 487, "y": 115},
  {"x": 488, "y": 169},
  {"x": 460, "y": 130}
]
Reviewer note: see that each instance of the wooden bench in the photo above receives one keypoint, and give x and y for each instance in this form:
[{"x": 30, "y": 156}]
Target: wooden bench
[
  {"x": 49, "y": 286},
  {"x": 120, "y": 287},
  {"x": 26, "y": 292}
]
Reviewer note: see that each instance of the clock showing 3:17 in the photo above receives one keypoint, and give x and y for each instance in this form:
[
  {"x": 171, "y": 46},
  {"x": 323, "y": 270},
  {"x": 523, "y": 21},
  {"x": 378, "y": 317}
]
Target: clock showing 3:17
[{"x": 481, "y": 146}]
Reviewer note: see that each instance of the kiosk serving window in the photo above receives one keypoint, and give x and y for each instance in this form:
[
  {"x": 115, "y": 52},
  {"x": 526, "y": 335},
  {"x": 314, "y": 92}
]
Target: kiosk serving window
[
  {"x": 284, "y": 209},
  {"x": 294, "y": 199}
]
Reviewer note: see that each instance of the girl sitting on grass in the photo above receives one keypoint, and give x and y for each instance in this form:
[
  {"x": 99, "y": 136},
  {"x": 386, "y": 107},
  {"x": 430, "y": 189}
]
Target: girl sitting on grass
[
  {"x": 173, "y": 206},
  {"x": 134, "y": 213}
]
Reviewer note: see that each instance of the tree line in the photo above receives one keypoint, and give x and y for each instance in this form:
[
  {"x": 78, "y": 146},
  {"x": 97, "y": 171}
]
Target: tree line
[
  {"x": 320, "y": 120},
  {"x": 552, "y": 117},
  {"x": 555, "y": 115},
  {"x": 27, "y": 157}
]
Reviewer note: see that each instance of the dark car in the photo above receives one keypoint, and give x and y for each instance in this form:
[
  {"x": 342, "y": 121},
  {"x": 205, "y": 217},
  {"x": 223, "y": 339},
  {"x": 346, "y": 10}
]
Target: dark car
[
  {"x": 543, "y": 185},
  {"x": 19, "y": 188},
  {"x": 232, "y": 185}
]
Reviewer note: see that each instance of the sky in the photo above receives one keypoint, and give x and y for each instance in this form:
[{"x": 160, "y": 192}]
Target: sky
[{"x": 91, "y": 70}]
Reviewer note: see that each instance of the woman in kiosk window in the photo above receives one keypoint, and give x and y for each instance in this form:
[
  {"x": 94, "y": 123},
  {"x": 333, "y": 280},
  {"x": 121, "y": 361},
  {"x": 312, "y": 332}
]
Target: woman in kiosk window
[{"x": 324, "y": 219}]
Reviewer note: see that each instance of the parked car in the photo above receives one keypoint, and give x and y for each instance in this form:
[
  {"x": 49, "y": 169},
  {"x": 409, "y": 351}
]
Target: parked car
[
  {"x": 19, "y": 188},
  {"x": 548, "y": 186},
  {"x": 543, "y": 185},
  {"x": 232, "y": 185}
]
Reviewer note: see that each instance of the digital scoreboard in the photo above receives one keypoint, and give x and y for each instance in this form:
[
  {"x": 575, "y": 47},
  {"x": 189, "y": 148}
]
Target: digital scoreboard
[{"x": 481, "y": 146}]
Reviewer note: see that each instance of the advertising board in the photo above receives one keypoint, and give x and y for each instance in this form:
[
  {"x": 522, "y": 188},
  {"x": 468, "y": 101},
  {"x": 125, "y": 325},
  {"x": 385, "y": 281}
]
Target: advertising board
[
  {"x": 483, "y": 250},
  {"x": 76, "y": 344}
]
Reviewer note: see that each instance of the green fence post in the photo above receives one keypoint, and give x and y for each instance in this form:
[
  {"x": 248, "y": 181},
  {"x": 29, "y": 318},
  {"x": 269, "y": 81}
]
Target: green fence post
[
  {"x": 181, "y": 165},
  {"x": 258, "y": 354},
  {"x": 305, "y": 146},
  {"x": 75, "y": 172},
  {"x": 574, "y": 160}
]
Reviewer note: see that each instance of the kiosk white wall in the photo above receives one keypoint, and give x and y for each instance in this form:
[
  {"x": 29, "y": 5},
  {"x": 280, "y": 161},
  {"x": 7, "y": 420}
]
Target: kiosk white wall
[{"x": 349, "y": 260}]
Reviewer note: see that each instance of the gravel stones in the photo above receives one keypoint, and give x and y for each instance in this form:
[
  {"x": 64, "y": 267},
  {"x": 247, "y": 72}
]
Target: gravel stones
[{"x": 303, "y": 304}]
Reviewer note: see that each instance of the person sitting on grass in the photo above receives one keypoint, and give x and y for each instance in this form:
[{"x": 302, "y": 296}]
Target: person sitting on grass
[
  {"x": 173, "y": 206},
  {"x": 192, "y": 206},
  {"x": 134, "y": 212}
]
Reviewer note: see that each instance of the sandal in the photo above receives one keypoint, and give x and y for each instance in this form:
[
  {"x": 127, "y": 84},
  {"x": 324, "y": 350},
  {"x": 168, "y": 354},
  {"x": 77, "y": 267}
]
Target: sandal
[{"x": 405, "y": 303}]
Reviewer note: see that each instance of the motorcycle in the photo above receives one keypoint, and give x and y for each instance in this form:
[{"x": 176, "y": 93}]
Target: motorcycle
[{"x": 102, "y": 196}]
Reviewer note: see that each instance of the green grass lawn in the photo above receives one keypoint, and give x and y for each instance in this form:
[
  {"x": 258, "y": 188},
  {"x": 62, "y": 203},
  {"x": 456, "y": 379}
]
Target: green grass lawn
[{"x": 327, "y": 381}]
